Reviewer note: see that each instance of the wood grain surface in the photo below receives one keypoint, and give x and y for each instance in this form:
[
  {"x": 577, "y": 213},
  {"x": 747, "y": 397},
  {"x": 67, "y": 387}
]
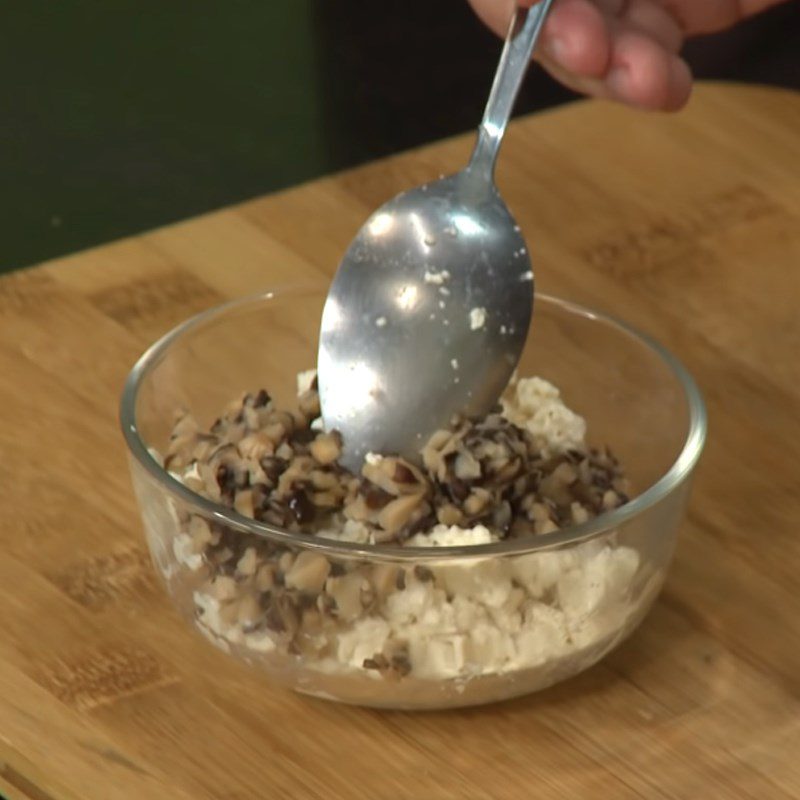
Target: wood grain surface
[{"x": 687, "y": 226}]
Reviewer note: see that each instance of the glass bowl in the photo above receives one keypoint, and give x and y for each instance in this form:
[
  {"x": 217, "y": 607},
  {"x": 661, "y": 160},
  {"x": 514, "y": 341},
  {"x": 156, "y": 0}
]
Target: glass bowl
[{"x": 414, "y": 628}]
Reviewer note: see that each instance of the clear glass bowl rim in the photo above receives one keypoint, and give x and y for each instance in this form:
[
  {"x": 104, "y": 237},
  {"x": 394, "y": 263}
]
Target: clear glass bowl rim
[{"x": 605, "y": 523}]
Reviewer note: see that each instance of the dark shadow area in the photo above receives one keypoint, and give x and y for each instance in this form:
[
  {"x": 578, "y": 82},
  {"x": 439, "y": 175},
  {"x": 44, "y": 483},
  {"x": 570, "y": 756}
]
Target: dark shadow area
[
  {"x": 419, "y": 73},
  {"x": 118, "y": 117}
]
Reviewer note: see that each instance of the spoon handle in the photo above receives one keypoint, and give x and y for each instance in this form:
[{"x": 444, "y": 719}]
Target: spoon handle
[{"x": 526, "y": 25}]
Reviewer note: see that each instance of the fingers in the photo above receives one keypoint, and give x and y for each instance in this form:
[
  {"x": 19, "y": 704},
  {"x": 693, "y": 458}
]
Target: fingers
[
  {"x": 591, "y": 87},
  {"x": 577, "y": 38},
  {"x": 620, "y": 49},
  {"x": 644, "y": 74},
  {"x": 575, "y": 29}
]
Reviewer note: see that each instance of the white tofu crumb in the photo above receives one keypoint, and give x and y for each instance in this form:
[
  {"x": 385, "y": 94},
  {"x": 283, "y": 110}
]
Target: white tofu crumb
[
  {"x": 184, "y": 550},
  {"x": 436, "y": 278},
  {"x": 477, "y": 318},
  {"x": 580, "y": 591},
  {"x": 305, "y": 380},
  {"x": 473, "y": 621},
  {"x": 538, "y": 572},
  {"x": 485, "y": 581},
  {"x": 453, "y": 536},
  {"x": 380, "y": 322},
  {"x": 209, "y": 609},
  {"x": 404, "y": 608},
  {"x": 366, "y": 637},
  {"x": 537, "y": 405},
  {"x": 454, "y": 363},
  {"x": 439, "y": 656},
  {"x": 485, "y": 616},
  {"x": 544, "y": 635},
  {"x": 351, "y": 531}
]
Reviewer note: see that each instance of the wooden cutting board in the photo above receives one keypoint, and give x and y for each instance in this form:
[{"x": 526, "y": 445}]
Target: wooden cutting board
[{"x": 687, "y": 226}]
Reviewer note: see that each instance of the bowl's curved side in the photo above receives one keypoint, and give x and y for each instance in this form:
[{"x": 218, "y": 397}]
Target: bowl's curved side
[
  {"x": 407, "y": 627},
  {"x": 139, "y": 449}
]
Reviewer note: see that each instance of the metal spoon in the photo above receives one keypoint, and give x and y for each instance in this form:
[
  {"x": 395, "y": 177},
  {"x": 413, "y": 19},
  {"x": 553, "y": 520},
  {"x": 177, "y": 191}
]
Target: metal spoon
[{"x": 430, "y": 307}]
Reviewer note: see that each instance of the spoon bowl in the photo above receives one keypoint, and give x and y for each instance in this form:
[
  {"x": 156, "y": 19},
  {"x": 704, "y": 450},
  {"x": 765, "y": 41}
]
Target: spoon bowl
[{"x": 428, "y": 320}]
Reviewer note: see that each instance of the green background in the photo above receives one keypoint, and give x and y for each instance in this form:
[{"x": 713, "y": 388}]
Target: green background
[{"x": 119, "y": 116}]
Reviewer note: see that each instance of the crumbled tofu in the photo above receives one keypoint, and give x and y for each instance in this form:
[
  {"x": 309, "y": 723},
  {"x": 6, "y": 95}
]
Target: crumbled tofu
[
  {"x": 365, "y": 638},
  {"x": 436, "y": 278},
  {"x": 477, "y": 318},
  {"x": 351, "y": 531},
  {"x": 537, "y": 406},
  {"x": 186, "y": 553},
  {"x": 453, "y": 536}
]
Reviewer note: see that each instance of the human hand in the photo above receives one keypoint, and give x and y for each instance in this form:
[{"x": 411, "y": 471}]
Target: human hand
[{"x": 626, "y": 50}]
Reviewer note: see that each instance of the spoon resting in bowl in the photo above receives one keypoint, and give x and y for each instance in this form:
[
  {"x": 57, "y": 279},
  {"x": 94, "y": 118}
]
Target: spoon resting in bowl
[{"x": 430, "y": 308}]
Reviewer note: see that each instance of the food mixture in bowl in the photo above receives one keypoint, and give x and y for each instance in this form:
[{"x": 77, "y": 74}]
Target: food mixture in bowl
[{"x": 523, "y": 470}]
